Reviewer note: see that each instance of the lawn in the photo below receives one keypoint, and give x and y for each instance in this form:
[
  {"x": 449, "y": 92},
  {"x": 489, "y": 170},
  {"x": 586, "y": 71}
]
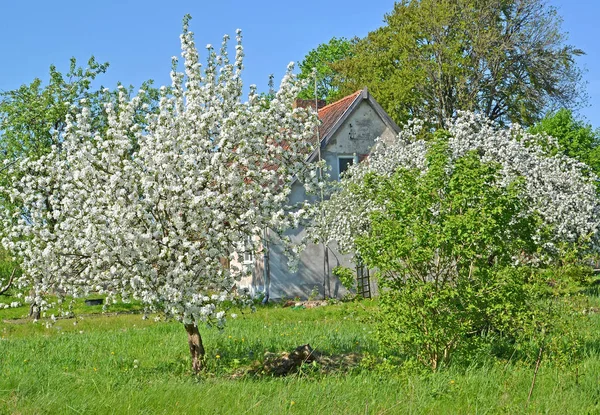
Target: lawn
[{"x": 124, "y": 364}]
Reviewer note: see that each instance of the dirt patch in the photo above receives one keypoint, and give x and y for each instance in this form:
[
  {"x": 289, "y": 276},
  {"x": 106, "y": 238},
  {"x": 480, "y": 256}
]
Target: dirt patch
[{"x": 302, "y": 358}]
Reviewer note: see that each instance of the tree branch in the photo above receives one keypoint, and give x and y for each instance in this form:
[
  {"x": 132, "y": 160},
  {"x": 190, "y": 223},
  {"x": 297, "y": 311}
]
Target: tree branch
[{"x": 9, "y": 284}]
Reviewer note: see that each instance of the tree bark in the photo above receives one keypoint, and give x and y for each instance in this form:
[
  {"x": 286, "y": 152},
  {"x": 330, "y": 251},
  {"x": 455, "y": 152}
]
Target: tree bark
[
  {"x": 196, "y": 347},
  {"x": 34, "y": 309}
]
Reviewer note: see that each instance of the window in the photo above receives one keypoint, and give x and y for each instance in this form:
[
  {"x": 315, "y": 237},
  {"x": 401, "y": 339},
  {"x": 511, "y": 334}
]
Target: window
[
  {"x": 249, "y": 252},
  {"x": 343, "y": 163}
]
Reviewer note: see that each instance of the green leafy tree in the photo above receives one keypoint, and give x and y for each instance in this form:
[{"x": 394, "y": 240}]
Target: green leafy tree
[
  {"x": 33, "y": 117},
  {"x": 505, "y": 59},
  {"x": 321, "y": 59},
  {"x": 575, "y": 138}
]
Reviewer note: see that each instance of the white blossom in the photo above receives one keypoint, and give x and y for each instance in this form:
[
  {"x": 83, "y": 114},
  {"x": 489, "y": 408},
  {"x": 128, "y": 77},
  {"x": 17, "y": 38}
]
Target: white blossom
[
  {"x": 154, "y": 212},
  {"x": 559, "y": 189}
]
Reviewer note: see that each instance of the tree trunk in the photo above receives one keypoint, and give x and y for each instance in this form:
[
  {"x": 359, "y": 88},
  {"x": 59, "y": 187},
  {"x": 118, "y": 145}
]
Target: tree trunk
[
  {"x": 196, "y": 347},
  {"x": 34, "y": 309}
]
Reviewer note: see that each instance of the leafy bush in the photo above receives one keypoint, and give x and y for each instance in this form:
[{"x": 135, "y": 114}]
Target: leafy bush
[
  {"x": 452, "y": 247},
  {"x": 476, "y": 233},
  {"x": 346, "y": 276}
]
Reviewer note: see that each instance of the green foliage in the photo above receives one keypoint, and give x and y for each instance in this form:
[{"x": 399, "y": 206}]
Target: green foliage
[
  {"x": 314, "y": 293},
  {"x": 505, "y": 59},
  {"x": 346, "y": 277},
  {"x": 321, "y": 59},
  {"x": 32, "y": 117},
  {"x": 575, "y": 138},
  {"x": 559, "y": 320},
  {"x": 445, "y": 245}
]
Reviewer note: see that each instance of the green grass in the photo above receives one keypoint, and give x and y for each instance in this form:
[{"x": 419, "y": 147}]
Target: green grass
[{"x": 123, "y": 364}]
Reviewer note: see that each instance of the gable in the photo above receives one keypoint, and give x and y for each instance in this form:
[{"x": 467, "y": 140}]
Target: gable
[
  {"x": 331, "y": 114},
  {"x": 358, "y": 131},
  {"x": 335, "y": 116},
  {"x": 355, "y": 137},
  {"x": 348, "y": 127}
]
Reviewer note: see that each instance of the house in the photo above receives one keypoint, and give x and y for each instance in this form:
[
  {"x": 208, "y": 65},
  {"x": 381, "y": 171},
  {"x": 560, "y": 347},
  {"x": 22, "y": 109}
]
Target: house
[{"x": 348, "y": 130}]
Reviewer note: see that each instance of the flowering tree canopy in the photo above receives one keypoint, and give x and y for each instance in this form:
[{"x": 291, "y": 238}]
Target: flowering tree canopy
[
  {"x": 155, "y": 211},
  {"x": 559, "y": 189}
]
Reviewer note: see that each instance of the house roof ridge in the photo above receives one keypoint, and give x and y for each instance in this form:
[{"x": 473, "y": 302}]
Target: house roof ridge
[
  {"x": 331, "y": 114},
  {"x": 341, "y": 99}
]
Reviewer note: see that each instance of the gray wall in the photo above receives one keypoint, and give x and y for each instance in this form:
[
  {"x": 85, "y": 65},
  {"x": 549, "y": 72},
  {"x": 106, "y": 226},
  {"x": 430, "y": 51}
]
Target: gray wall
[
  {"x": 309, "y": 274},
  {"x": 364, "y": 125}
]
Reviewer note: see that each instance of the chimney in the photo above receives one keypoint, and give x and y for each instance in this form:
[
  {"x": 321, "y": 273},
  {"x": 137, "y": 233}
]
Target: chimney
[{"x": 305, "y": 103}]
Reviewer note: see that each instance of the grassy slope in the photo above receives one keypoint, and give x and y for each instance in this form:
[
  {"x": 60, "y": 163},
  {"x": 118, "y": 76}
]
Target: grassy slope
[{"x": 123, "y": 364}]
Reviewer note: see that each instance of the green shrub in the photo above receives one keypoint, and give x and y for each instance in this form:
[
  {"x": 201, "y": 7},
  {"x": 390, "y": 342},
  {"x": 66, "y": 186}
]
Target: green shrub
[
  {"x": 346, "y": 276},
  {"x": 444, "y": 243}
]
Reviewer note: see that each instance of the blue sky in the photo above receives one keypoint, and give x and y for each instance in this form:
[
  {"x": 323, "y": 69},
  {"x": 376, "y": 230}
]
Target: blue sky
[{"x": 138, "y": 37}]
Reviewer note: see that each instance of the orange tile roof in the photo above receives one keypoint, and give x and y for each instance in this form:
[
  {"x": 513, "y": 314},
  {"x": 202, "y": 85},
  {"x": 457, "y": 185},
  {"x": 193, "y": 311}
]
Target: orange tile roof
[{"x": 330, "y": 114}]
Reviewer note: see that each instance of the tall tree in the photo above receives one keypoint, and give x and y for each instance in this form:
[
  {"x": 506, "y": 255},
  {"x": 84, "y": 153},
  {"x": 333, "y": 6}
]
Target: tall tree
[
  {"x": 320, "y": 59},
  {"x": 506, "y": 59},
  {"x": 155, "y": 218}
]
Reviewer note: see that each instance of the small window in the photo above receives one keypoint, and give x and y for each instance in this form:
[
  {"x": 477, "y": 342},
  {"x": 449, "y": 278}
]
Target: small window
[
  {"x": 249, "y": 252},
  {"x": 343, "y": 164}
]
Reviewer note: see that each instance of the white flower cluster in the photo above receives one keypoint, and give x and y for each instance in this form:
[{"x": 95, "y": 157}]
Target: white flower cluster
[
  {"x": 14, "y": 304},
  {"x": 155, "y": 211},
  {"x": 558, "y": 188}
]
